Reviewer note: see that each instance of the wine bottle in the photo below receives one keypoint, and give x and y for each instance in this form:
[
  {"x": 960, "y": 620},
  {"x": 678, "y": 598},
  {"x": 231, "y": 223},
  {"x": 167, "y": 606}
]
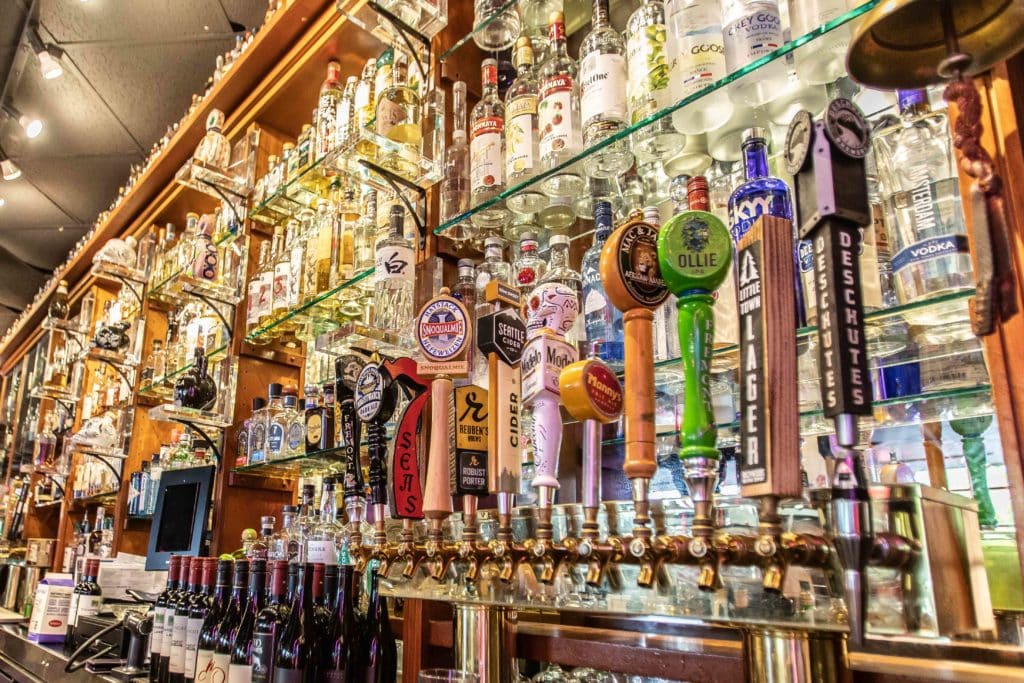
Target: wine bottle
[
  {"x": 228, "y": 627},
  {"x": 211, "y": 622},
  {"x": 179, "y": 627},
  {"x": 379, "y": 653},
  {"x": 240, "y": 669},
  {"x": 338, "y": 643},
  {"x": 292, "y": 653},
  {"x": 268, "y": 623},
  {"x": 159, "y": 615},
  {"x": 86, "y": 597},
  {"x": 202, "y": 601}
]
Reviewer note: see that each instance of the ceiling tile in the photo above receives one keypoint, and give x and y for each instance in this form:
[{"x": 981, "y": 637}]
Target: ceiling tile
[
  {"x": 82, "y": 186},
  {"x": 26, "y": 207},
  {"x": 18, "y": 282},
  {"x": 117, "y": 20},
  {"x": 41, "y": 247}
]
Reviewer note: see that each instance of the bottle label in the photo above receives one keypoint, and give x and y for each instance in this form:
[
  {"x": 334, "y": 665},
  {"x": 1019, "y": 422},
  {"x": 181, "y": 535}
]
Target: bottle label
[
  {"x": 179, "y": 632},
  {"x": 193, "y": 628},
  {"x": 295, "y": 276},
  {"x": 648, "y": 71},
  {"x": 926, "y": 250},
  {"x": 520, "y": 135},
  {"x": 485, "y": 153},
  {"x": 205, "y": 265},
  {"x": 282, "y": 275},
  {"x": 219, "y": 668},
  {"x": 205, "y": 667},
  {"x": 696, "y": 49},
  {"x": 275, "y": 437},
  {"x": 88, "y": 606},
  {"x": 239, "y": 673},
  {"x": 262, "y": 656},
  {"x": 73, "y": 618},
  {"x": 289, "y": 675},
  {"x": 395, "y": 263},
  {"x": 266, "y": 293},
  {"x": 252, "y": 306},
  {"x": 595, "y": 301},
  {"x": 389, "y": 115},
  {"x": 554, "y": 114},
  {"x": 295, "y": 438},
  {"x": 324, "y": 552},
  {"x": 751, "y": 207},
  {"x": 258, "y": 451},
  {"x": 602, "y": 88},
  {"x": 314, "y": 428},
  {"x": 752, "y": 36},
  {"x": 870, "y": 256}
]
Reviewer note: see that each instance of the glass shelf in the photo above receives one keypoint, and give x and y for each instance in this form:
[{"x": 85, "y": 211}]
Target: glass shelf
[
  {"x": 359, "y": 160},
  {"x": 163, "y": 386},
  {"x": 116, "y": 273},
  {"x": 103, "y": 497},
  {"x": 49, "y": 505},
  {"x": 319, "y": 308},
  {"x": 99, "y": 451},
  {"x": 53, "y": 393},
  {"x": 70, "y": 326},
  {"x": 295, "y": 195},
  {"x": 177, "y": 286},
  {"x": 211, "y": 181},
  {"x": 169, "y": 412},
  {"x": 747, "y": 72},
  {"x": 506, "y": 6},
  {"x": 116, "y": 358},
  {"x": 368, "y": 339},
  {"x": 424, "y": 17},
  {"x": 297, "y": 465}
]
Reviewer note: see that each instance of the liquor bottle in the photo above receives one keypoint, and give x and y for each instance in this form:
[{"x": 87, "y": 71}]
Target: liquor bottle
[
  {"x": 240, "y": 667},
  {"x": 295, "y": 433},
  {"x": 156, "y": 638},
  {"x": 823, "y": 60},
  {"x": 921, "y": 205},
  {"x": 365, "y": 239},
  {"x": 753, "y": 29},
  {"x": 455, "y": 187},
  {"x": 292, "y": 653},
  {"x": 214, "y": 149},
  {"x": 318, "y": 252},
  {"x": 603, "y": 109},
  {"x": 364, "y": 104},
  {"x": 155, "y": 366},
  {"x": 244, "y": 440},
  {"x": 560, "y": 271},
  {"x": 268, "y": 621},
  {"x": 529, "y": 268},
  {"x": 603, "y": 321},
  {"x": 195, "y": 388},
  {"x": 649, "y": 83},
  {"x": 327, "y": 110},
  {"x": 305, "y": 521},
  {"x": 339, "y": 644},
  {"x": 487, "y": 151},
  {"x": 695, "y": 52},
  {"x": 324, "y": 541},
  {"x": 522, "y": 134},
  {"x": 344, "y": 222},
  {"x": 260, "y": 548},
  {"x": 201, "y": 603},
  {"x": 210, "y": 631},
  {"x": 227, "y": 629},
  {"x": 258, "y": 431},
  {"x": 86, "y": 599},
  {"x": 179, "y": 626},
  {"x": 277, "y": 422},
  {"x": 499, "y": 22},
  {"x": 268, "y": 275},
  {"x": 256, "y": 292},
  {"x": 58, "y": 309},
  {"x": 558, "y": 115},
  {"x": 379, "y": 661},
  {"x": 286, "y": 288},
  {"x": 288, "y": 163},
  {"x": 320, "y": 423},
  {"x": 395, "y": 274},
  {"x": 535, "y": 15},
  {"x": 398, "y": 119},
  {"x": 760, "y": 194},
  {"x": 206, "y": 259},
  {"x": 283, "y": 546}
]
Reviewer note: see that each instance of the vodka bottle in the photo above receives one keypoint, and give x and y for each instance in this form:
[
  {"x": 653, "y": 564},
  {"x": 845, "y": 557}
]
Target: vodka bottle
[
  {"x": 753, "y": 29},
  {"x": 603, "y": 109},
  {"x": 487, "y": 151},
  {"x": 603, "y": 321},
  {"x": 500, "y": 24},
  {"x": 535, "y": 16},
  {"x": 695, "y": 50},
  {"x": 529, "y": 268},
  {"x": 823, "y": 60},
  {"x": 395, "y": 273},
  {"x": 558, "y": 115},
  {"x": 522, "y": 134},
  {"x": 455, "y": 186}
]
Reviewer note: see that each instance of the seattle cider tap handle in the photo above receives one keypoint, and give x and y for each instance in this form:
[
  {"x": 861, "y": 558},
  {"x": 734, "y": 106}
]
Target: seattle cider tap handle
[{"x": 375, "y": 401}]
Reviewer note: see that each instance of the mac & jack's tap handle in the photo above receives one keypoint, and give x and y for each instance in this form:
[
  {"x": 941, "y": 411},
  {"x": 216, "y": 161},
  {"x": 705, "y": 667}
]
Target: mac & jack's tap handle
[
  {"x": 641, "y": 458},
  {"x": 437, "y": 494}
]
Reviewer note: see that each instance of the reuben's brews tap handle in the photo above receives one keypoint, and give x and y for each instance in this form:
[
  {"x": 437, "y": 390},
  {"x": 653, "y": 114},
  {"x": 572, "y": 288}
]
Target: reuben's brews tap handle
[{"x": 347, "y": 369}]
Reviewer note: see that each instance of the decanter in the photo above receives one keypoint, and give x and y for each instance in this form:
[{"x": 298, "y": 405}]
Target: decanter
[
  {"x": 195, "y": 388},
  {"x": 214, "y": 149}
]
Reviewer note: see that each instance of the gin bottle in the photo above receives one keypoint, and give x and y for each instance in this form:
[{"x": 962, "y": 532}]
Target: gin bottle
[
  {"x": 603, "y": 96},
  {"x": 695, "y": 50},
  {"x": 455, "y": 186},
  {"x": 921, "y": 201},
  {"x": 394, "y": 274},
  {"x": 522, "y": 134},
  {"x": 529, "y": 268},
  {"x": 753, "y": 29},
  {"x": 499, "y": 24},
  {"x": 487, "y": 151},
  {"x": 560, "y": 271},
  {"x": 649, "y": 83},
  {"x": 558, "y": 115},
  {"x": 603, "y": 321}
]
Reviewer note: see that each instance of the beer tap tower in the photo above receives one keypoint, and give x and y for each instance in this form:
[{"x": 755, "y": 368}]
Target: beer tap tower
[
  {"x": 375, "y": 398},
  {"x": 347, "y": 369}
]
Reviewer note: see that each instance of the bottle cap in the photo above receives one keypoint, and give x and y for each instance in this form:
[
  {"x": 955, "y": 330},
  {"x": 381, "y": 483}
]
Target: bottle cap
[
  {"x": 290, "y": 509},
  {"x": 465, "y": 263},
  {"x": 258, "y": 566},
  {"x": 908, "y": 99},
  {"x": 603, "y": 214},
  {"x": 755, "y": 133},
  {"x": 267, "y": 521},
  {"x": 259, "y": 403},
  {"x": 494, "y": 243},
  {"x": 63, "y": 283},
  {"x": 558, "y": 239},
  {"x": 274, "y": 390},
  {"x": 302, "y": 404},
  {"x": 290, "y": 401},
  {"x": 697, "y": 193}
]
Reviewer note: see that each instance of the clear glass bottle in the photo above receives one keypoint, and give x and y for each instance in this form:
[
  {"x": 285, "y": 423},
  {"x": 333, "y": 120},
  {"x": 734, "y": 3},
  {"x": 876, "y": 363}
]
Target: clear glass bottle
[
  {"x": 487, "y": 151},
  {"x": 319, "y": 252},
  {"x": 156, "y": 364},
  {"x": 345, "y": 122},
  {"x": 394, "y": 274},
  {"x": 295, "y": 431},
  {"x": 522, "y": 134},
  {"x": 603, "y": 322},
  {"x": 325, "y": 539},
  {"x": 920, "y": 193},
  {"x": 268, "y": 275},
  {"x": 603, "y": 109},
  {"x": 464, "y": 290},
  {"x": 283, "y": 288},
  {"x": 327, "y": 109},
  {"x": 695, "y": 51},
  {"x": 753, "y": 29},
  {"x": 281, "y": 547},
  {"x": 529, "y": 267},
  {"x": 364, "y": 105},
  {"x": 494, "y": 267},
  {"x": 285, "y": 164},
  {"x": 257, "y": 292},
  {"x": 558, "y": 115},
  {"x": 455, "y": 187},
  {"x": 214, "y": 149},
  {"x": 345, "y": 221},
  {"x": 502, "y": 24},
  {"x": 398, "y": 119},
  {"x": 366, "y": 238},
  {"x": 649, "y": 83},
  {"x": 535, "y": 16},
  {"x": 276, "y": 422},
  {"x": 823, "y": 60},
  {"x": 560, "y": 271},
  {"x": 58, "y": 309}
]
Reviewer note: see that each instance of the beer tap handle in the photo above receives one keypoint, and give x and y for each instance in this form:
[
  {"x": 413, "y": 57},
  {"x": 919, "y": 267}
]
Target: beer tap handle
[
  {"x": 437, "y": 495},
  {"x": 641, "y": 459},
  {"x": 375, "y": 402},
  {"x": 347, "y": 368},
  {"x": 547, "y": 439},
  {"x": 378, "y": 468}
]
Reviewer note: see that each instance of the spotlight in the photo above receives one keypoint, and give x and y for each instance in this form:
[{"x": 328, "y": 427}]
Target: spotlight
[
  {"x": 48, "y": 55},
  {"x": 32, "y": 126},
  {"x": 3, "y": 202},
  {"x": 9, "y": 169}
]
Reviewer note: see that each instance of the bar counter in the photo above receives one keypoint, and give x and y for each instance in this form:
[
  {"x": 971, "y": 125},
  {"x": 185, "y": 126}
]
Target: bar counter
[{"x": 26, "y": 661}]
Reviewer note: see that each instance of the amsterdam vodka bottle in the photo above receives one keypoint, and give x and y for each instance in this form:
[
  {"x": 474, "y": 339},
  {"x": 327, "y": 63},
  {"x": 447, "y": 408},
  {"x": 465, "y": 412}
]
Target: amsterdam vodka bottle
[
  {"x": 695, "y": 50},
  {"x": 753, "y": 29},
  {"x": 921, "y": 201},
  {"x": 487, "y": 152},
  {"x": 603, "y": 321},
  {"x": 603, "y": 108},
  {"x": 558, "y": 115},
  {"x": 394, "y": 274},
  {"x": 522, "y": 135},
  {"x": 649, "y": 83}
]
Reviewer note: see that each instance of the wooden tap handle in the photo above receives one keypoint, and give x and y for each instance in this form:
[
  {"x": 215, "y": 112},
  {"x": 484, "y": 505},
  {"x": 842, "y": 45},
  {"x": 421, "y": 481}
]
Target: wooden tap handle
[
  {"x": 638, "y": 325},
  {"x": 437, "y": 494},
  {"x": 504, "y": 462},
  {"x": 547, "y": 439},
  {"x": 697, "y": 433}
]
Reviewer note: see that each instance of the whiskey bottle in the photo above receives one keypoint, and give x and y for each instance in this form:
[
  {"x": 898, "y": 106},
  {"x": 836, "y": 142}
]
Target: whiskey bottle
[{"x": 320, "y": 421}]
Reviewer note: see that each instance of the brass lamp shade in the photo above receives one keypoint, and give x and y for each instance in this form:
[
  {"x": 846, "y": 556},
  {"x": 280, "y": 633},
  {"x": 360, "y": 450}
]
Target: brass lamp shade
[{"x": 901, "y": 43}]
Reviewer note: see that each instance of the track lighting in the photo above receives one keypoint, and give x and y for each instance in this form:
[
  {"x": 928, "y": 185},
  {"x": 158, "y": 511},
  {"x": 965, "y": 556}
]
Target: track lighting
[
  {"x": 48, "y": 54},
  {"x": 9, "y": 169},
  {"x": 3, "y": 202},
  {"x": 32, "y": 126}
]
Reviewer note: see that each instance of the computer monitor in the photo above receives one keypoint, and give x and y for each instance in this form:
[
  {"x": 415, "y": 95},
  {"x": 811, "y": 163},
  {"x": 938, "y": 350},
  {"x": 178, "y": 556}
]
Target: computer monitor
[{"x": 179, "y": 522}]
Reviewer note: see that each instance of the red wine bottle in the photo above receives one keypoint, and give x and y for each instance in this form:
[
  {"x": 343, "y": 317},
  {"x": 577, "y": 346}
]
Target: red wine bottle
[
  {"x": 201, "y": 603},
  {"x": 379, "y": 652},
  {"x": 240, "y": 668},
  {"x": 228, "y": 627},
  {"x": 209, "y": 632},
  {"x": 156, "y": 639},
  {"x": 292, "y": 656},
  {"x": 338, "y": 644},
  {"x": 179, "y": 627},
  {"x": 268, "y": 623},
  {"x": 85, "y": 598}
]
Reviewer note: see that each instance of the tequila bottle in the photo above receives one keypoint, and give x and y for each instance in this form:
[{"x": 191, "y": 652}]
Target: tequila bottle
[
  {"x": 365, "y": 238},
  {"x": 522, "y": 135},
  {"x": 214, "y": 149},
  {"x": 319, "y": 251},
  {"x": 268, "y": 272},
  {"x": 455, "y": 186},
  {"x": 364, "y": 106},
  {"x": 603, "y": 78},
  {"x": 276, "y": 423},
  {"x": 345, "y": 121},
  {"x": 603, "y": 321},
  {"x": 395, "y": 273},
  {"x": 649, "y": 83},
  {"x": 753, "y": 29},
  {"x": 344, "y": 242},
  {"x": 923, "y": 215},
  {"x": 487, "y": 151},
  {"x": 285, "y": 291},
  {"x": 560, "y": 271},
  {"x": 823, "y": 60},
  {"x": 499, "y": 24},
  {"x": 558, "y": 115},
  {"x": 398, "y": 119},
  {"x": 529, "y": 268},
  {"x": 295, "y": 429},
  {"x": 695, "y": 49},
  {"x": 494, "y": 267},
  {"x": 259, "y": 292}
]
